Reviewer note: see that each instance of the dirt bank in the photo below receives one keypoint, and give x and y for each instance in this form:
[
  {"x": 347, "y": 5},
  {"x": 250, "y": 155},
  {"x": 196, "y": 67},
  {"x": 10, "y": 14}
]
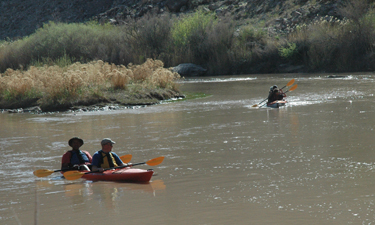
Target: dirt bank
[{"x": 110, "y": 101}]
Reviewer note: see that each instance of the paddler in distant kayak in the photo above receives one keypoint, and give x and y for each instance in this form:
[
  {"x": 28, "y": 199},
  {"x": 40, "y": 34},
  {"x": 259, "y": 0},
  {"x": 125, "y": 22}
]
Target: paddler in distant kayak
[
  {"x": 275, "y": 94},
  {"x": 76, "y": 159},
  {"x": 105, "y": 158}
]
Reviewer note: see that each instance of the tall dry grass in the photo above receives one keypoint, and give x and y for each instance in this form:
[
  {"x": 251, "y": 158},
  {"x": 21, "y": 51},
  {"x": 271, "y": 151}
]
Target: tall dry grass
[{"x": 54, "y": 85}]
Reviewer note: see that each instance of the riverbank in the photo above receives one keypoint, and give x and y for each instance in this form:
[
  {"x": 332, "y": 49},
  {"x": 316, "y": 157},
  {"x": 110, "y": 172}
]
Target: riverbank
[{"x": 110, "y": 101}]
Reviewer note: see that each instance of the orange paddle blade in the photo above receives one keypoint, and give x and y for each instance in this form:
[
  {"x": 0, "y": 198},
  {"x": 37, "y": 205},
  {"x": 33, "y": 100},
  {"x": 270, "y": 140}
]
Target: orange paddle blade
[
  {"x": 73, "y": 175},
  {"x": 43, "y": 173},
  {"x": 155, "y": 161},
  {"x": 126, "y": 158},
  {"x": 290, "y": 82},
  {"x": 293, "y": 88}
]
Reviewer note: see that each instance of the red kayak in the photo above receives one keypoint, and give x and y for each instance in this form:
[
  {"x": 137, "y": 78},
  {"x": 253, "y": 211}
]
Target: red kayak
[
  {"x": 121, "y": 175},
  {"x": 126, "y": 174}
]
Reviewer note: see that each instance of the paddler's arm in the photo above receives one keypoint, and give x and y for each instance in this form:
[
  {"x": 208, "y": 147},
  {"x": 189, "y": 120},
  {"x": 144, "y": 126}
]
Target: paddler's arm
[
  {"x": 68, "y": 166},
  {"x": 65, "y": 161},
  {"x": 282, "y": 93},
  {"x": 65, "y": 166},
  {"x": 95, "y": 168},
  {"x": 96, "y": 162},
  {"x": 119, "y": 162}
]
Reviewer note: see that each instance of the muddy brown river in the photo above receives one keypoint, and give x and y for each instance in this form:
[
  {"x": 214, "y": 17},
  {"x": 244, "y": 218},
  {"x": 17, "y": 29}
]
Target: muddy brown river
[{"x": 226, "y": 162}]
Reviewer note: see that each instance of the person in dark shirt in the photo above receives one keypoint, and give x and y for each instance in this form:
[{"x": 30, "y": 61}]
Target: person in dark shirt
[
  {"x": 275, "y": 94},
  {"x": 76, "y": 159}
]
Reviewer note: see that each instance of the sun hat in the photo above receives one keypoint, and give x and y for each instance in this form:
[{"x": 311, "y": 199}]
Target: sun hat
[{"x": 73, "y": 139}]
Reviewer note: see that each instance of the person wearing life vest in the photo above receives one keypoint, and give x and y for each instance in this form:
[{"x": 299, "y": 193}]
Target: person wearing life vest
[
  {"x": 76, "y": 159},
  {"x": 105, "y": 158},
  {"x": 275, "y": 94}
]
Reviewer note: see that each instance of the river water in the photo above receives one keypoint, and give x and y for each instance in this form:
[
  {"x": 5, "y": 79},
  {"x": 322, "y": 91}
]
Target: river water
[{"x": 226, "y": 162}]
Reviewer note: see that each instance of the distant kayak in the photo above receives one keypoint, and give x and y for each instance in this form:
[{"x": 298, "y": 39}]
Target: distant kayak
[
  {"x": 121, "y": 175},
  {"x": 276, "y": 104}
]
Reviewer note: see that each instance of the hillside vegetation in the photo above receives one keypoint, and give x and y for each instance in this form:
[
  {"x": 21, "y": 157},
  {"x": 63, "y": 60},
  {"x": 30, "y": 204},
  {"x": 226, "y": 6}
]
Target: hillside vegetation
[{"x": 225, "y": 37}]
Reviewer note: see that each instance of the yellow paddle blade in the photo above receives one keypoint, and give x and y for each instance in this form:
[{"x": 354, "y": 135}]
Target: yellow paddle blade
[
  {"x": 73, "y": 175},
  {"x": 126, "y": 158},
  {"x": 293, "y": 88},
  {"x": 254, "y": 105},
  {"x": 156, "y": 161},
  {"x": 43, "y": 173},
  {"x": 290, "y": 82}
]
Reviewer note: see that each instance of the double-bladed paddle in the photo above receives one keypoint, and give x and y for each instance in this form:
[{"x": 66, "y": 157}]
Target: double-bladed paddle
[
  {"x": 287, "y": 85},
  {"x": 73, "y": 175},
  {"x": 292, "y": 88},
  {"x": 45, "y": 172}
]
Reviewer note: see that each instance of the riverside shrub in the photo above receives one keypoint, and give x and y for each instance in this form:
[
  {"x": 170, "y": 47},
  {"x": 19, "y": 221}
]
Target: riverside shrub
[{"x": 189, "y": 37}]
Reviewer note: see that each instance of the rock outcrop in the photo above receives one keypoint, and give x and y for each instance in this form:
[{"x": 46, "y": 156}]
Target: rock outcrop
[{"x": 189, "y": 70}]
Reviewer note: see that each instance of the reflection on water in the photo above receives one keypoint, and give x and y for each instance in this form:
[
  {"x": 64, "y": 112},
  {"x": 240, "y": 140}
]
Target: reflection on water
[
  {"x": 311, "y": 162},
  {"x": 106, "y": 192}
]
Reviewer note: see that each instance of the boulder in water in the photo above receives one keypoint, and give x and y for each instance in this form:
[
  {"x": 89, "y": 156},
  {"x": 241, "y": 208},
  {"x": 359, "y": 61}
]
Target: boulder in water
[{"x": 189, "y": 69}]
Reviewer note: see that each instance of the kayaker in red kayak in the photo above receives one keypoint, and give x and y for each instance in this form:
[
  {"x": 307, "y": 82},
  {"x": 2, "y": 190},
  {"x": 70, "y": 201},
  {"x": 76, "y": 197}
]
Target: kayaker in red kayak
[
  {"x": 275, "y": 94},
  {"x": 105, "y": 158},
  {"x": 76, "y": 159}
]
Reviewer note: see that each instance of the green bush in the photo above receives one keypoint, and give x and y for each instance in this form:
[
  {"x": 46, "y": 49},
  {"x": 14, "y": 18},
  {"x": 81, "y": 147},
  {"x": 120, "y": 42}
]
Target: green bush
[
  {"x": 191, "y": 28},
  {"x": 249, "y": 36},
  {"x": 58, "y": 42},
  {"x": 288, "y": 52},
  {"x": 203, "y": 39}
]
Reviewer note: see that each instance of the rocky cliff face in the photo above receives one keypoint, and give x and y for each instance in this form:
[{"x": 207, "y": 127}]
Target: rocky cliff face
[{"x": 21, "y": 18}]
